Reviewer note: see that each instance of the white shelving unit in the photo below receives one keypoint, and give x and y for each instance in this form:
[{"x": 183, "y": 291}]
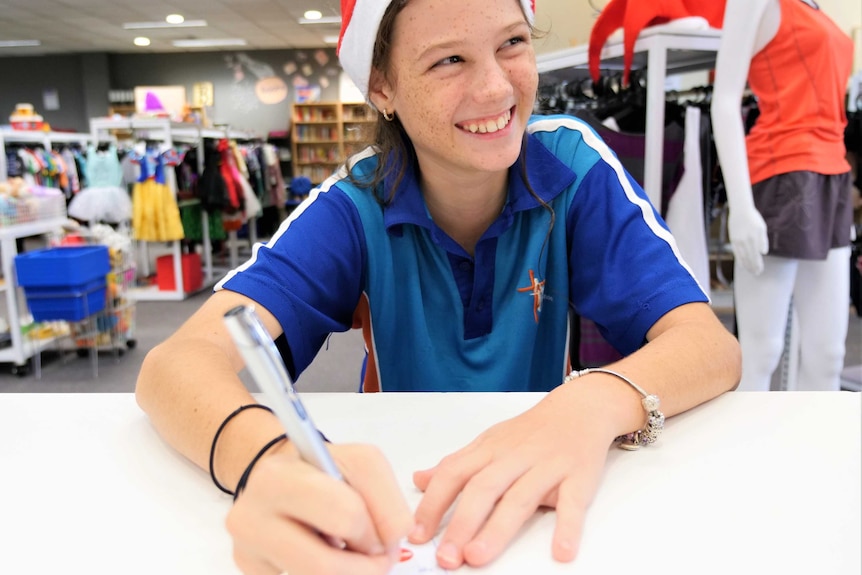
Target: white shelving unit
[
  {"x": 21, "y": 348},
  {"x": 662, "y": 53},
  {"x": 170, "y": 133},
  {"x": 233, "y": 240}
]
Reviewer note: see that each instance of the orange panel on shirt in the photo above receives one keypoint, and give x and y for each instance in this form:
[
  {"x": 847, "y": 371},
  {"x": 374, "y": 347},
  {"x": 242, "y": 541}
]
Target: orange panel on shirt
[{"x": 362, "y": 320}]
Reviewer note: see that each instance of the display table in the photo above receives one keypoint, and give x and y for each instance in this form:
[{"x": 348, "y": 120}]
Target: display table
[{"x": 749, "y": 483}]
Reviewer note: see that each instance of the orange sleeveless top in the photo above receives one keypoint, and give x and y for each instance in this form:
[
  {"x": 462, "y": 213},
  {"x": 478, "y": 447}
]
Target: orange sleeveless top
[{"x": 800, "y": 80}]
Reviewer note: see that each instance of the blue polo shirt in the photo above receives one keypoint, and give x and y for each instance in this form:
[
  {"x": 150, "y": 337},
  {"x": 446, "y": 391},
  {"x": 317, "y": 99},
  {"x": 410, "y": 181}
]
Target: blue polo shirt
[{"x": 437, "y": 319}]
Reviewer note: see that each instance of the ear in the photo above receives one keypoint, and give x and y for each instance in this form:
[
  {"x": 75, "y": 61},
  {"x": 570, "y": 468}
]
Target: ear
[{"x": 380, "y": 92}]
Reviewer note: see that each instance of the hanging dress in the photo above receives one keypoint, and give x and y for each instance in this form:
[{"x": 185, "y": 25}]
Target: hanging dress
[
  {"x": 156, "y": 216},
  {"x": 103, "y": 199}
]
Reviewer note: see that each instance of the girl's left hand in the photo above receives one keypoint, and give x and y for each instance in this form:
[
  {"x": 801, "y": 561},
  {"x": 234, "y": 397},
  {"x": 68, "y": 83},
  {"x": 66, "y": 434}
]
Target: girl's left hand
[{"x": 551, "y": 455}]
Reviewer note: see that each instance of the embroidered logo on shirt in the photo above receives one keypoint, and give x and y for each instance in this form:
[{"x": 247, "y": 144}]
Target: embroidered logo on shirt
[{"x": 537, "y": 289}]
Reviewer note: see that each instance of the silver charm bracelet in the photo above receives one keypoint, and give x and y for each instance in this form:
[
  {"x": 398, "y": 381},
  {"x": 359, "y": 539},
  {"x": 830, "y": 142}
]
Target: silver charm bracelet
[{"x": 655, "y": 418}]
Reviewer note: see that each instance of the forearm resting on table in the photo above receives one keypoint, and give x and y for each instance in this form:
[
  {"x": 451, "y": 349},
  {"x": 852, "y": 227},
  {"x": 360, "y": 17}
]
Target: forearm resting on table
[
  {"x": 690, "y": 359},
  {"x": 187, "y": 399}
]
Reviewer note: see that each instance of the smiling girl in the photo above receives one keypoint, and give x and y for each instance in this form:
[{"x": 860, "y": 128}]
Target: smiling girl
[{"x": 458, "y": 242}]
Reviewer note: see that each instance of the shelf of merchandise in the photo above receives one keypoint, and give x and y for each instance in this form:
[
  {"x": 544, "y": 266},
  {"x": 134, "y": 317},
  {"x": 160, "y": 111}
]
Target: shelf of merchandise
[
  {"x": 321, "y": 136},
  {"x": 316, "y": 143},
  {"x": 281, "y": 140},
  {"x": 357, "y": 121},
  {"x": 662, "y": 53},
  {"x": 21, "y": 348},
  {"x": 38, "y": 138},
  {"x": 168, "y": 132}
]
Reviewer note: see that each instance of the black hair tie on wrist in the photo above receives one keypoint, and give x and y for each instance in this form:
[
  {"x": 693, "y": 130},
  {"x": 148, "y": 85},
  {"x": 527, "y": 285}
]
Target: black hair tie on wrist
[
  {"x": 240, "y": 486},
  {"x": 221, "y": 427}
]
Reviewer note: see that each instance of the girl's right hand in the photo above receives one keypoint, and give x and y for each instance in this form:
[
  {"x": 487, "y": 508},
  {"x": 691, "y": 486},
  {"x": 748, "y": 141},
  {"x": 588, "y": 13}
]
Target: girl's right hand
[{"x": 277, "y": 522}]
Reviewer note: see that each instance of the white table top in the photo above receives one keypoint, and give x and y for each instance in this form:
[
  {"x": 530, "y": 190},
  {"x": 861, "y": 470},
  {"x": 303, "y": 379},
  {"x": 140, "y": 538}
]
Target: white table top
[{"x": 749, "y": 483}]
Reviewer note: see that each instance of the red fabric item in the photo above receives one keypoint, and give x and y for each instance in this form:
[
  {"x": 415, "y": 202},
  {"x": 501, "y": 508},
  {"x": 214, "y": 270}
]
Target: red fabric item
[
  {"x": 635, "y": 15},
  {"x": 347, "y": 7},
  {"x": 234, "y": 194}
]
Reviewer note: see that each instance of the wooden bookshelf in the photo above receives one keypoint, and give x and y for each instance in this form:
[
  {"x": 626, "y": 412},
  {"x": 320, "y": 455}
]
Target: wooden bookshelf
[{"x": 324, "y": 133}]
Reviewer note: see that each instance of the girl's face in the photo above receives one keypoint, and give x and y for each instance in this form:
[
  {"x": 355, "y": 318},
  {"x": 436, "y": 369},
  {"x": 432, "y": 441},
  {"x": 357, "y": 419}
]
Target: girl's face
[{"x": 462, "y": 80}]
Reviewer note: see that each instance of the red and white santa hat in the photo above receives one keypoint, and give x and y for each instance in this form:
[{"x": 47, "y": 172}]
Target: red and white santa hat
[{"x": 359, "y": 22}]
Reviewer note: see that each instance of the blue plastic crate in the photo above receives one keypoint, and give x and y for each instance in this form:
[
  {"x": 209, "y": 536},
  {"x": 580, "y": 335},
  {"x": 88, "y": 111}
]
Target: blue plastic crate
[
  {"x": 66, "y": 267},
  {"x": 65, "y": 303}
]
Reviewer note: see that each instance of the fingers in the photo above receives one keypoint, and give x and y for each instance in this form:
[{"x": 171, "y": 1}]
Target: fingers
[
  {"x": 293, "y": 489},
  {"x": 284, "y": 546},
  {"x": 496, "y": 502},
  {"x": 368, "y": 472},
  {"x": 278, "y": 522},
  {"x": 571, "y": 514},
  {"x": 574, "y": 495},
  {"x": 485, "y": 496},
  {"x": 422, "y": 478},
  {"x": 480, "y": 544},
  {"x": 516, "y": 506},
  {"x": 499, "y": 481},
  {"x": 441, "y": 485},
  {"x": 249, "y": 564}
]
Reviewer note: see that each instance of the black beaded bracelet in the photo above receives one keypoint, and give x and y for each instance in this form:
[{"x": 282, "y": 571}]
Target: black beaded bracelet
[
  {"x": 221, "y": 427},
  {"x": 243, "y": 479}
]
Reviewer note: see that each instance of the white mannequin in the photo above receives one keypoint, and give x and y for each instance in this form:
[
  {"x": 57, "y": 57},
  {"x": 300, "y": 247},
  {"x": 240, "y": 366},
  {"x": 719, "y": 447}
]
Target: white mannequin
[{"x": 764, "y": 284}]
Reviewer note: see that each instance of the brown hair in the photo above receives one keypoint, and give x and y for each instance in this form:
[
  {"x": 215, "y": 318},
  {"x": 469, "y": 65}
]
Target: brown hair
[{"x": 390, "y": 141}]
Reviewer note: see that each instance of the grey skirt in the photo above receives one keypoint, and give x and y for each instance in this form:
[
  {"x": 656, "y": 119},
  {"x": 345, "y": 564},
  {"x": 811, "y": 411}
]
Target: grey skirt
[{"x": 806, "y": 213}]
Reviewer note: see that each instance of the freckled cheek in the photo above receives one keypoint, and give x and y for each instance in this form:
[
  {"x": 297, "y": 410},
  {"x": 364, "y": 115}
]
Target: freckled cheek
[
  {"x": 429, "y": 127},
  {"x": 428, "y": 115},
  {"x": 524, "y": 76},
  {"x": 419, "y": 120}
]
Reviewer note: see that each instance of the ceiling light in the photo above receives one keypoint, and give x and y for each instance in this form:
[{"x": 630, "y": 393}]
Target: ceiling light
[
  {"x": 148, "y": 25},
  {"x": 331, "y": 39},
  {"x": 175, "y": 19},
  {"x": 321, "y": 20},
  {"x": 142, "y": 41},
  {"x": 209, "y": 42},
  {"x": 19, "y": 43},
  {"x": 313, "y": 15}
]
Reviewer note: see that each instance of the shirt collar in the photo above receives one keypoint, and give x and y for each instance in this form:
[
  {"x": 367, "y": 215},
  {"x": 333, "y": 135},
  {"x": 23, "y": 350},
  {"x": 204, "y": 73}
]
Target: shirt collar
[{"x": 547, "y": 174}]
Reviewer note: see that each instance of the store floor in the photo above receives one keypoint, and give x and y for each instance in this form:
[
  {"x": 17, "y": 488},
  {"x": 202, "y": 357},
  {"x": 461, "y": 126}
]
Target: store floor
[{"x": 336, "y": 367}]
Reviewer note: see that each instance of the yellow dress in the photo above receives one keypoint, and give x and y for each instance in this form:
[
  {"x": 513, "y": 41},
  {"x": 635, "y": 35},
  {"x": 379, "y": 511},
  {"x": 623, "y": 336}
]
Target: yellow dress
[{"x": 155, "y": 213}]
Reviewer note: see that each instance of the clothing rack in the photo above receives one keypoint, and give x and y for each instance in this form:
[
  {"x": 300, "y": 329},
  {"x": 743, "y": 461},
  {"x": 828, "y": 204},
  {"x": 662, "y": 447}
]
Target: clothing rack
[
  {"x": 697, "y": 93},
  {"x": 661, "y": 52},
  {"x": 233, "y": 240},
  {"x": 167, "y": 133},
  {"x": 38, "y": 138}
]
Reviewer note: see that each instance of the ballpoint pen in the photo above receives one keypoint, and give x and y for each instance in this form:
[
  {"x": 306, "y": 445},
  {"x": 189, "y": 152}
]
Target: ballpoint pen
[{"x": 268, "y": 371}]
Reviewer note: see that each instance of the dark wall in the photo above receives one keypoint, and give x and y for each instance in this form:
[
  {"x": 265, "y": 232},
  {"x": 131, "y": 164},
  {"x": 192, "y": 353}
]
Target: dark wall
[
  {"x": 240, "y": 98},
  {"x": 97, "y": 83},
  {"x": 240, "y": 88},
  {"x": 26, "y": 78}
]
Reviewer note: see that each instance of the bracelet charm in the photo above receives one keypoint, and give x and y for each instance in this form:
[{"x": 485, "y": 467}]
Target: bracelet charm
[{"x": 655, "y": 418}]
